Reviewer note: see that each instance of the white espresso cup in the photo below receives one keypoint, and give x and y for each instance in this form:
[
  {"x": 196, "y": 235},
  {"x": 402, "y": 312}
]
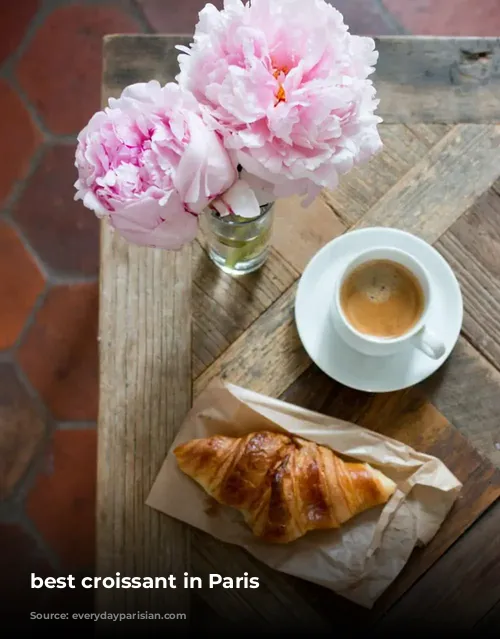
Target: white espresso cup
[{"x": 419, "y": 336}]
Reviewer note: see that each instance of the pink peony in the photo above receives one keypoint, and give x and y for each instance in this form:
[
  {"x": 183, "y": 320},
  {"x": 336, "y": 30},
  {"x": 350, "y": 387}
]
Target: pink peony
[
  {"x": 286, "y": 85},
  {"x": 150, "y": 165}
]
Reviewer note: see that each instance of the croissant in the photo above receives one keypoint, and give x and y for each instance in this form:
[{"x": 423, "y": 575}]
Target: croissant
[{"x": 283, "y": 485}]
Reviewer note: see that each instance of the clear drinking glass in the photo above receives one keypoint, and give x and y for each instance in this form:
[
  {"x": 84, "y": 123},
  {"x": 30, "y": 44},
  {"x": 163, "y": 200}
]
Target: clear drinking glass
[{"x": 239, "y": 245}]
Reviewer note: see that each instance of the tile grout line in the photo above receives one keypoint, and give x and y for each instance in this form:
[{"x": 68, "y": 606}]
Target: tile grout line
[
  {"x": 9, "y": 511},
  {"x": 18, "y": 517},
  {"x": 27, "y": 481},
  {"x": 76, "y": 425},
  {"x": 43, "y": 547},
  {"x": 20, "y": 185},
  {"x": 6, "y": 355},
  {"x": 46, "y": 272},
  {"x": 11, "y": 77},
  {"x": 70, "y": 279},
  {"x": 135, "y": 11},
  {"x": 390, "y": 18},
  {"x": 34, "y": 25},
  {"x": 9, "y": 68},
  {"x": 30, "y": 320},
  {"x": 51, "y": 276}
]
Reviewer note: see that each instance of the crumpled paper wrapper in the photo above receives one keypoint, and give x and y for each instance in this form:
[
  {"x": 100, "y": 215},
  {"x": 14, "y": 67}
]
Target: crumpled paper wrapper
[{"x": 359, "y": 560}]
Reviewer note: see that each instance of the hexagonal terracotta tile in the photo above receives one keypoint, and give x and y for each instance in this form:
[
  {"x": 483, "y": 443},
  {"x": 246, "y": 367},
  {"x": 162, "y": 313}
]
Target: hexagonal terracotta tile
[
  {"x": 22, "y": 429},
  {"x": 19, "y": 138},
  {"x": 20, "y": 557},
  {"x": 16, "y": 17},
  {"x": 62, "y": 501},
  {"x": 63, "y": 232},
  {"x": 59, "y": 353},
  {"x": 19, "y": 293},
  {"x": 61, "y": 69}
]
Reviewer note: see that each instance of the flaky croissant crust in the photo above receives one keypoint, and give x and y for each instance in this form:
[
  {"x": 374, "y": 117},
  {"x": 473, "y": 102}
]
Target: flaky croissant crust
[{"x": 283, "y": 485}]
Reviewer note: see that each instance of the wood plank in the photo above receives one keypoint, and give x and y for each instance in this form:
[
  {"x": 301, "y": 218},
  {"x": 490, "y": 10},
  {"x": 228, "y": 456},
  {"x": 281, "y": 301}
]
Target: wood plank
[
  {"x": 466, "y": 390},
  {"x": 472, "y": 248},
  {"x": 145, "y": 393},
  {"x": 428, "y": 79},
  {"x": 267, "y": 357},
  {"x": 206, "y": 619},
  {"x": 139, "y": 58},
  {"x": 418, "y": 79},
  {"x": 276, "y": 603},
  {"x": 443, "y": 185},
  {"x": 300, "y": 232},
  {"x": 488, "y": 626},
  {"x": 223, "y": 306},
  {"x": 459, "y": 590},
  {"x": 428, "y": 133},
  {"x": 359, "y": 190}
]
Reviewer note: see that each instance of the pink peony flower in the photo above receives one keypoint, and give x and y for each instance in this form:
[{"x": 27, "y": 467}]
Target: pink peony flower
[
  {"x": 150, "y": 165},
  {"x": 286, "y": 85}
]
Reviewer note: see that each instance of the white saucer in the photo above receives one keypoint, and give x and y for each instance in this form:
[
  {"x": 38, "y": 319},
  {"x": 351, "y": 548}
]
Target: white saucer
[{"x": 332, "y": 355}]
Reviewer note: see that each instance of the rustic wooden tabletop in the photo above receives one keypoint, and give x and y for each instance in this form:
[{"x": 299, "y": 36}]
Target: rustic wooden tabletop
[{"x": 171, "y": 322}]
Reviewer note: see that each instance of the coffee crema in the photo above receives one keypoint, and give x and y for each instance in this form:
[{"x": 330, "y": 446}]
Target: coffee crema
[{"x": 382, "y": 298}]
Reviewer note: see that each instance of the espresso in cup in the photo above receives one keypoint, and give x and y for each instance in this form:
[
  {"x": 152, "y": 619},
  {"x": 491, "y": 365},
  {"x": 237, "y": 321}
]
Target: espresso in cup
[{"x": 382, "y": 298}]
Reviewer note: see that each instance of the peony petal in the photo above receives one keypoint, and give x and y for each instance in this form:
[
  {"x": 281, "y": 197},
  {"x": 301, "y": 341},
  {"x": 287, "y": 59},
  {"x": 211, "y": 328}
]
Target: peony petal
[
  {"x": 205, "y": 169},
  {"x": 146, "y": 223},
  {"x": 238, "y": 200},
  {"x": 264, "y": 191},
  {"x": 147, "y": 92},
  {"x": 91, "y": 201}
]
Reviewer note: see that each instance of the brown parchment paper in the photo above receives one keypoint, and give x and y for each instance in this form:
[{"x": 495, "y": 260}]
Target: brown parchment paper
[{"x": 359, "y": 560}]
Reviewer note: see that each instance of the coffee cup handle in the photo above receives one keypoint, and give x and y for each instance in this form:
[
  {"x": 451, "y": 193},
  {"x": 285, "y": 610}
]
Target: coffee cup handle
[{"x": 430, "y": 344}]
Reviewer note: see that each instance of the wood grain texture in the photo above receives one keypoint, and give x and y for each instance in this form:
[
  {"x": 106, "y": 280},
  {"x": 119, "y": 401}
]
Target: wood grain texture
[
  {"x": 300, "y": 232},
  {"x": 267, "y": 358},
  {"x": 418, "y": 79},
  {"x": 472, "y": 248},
  {"x": 403, "y": 147},
  {"x": 467, "y": 390},
  {"x": 443, "y": 185},
  {"x": 461, "y": 588},
  {"x": 448, "y": 80},
  {"x": 224, "y": 307},
  {"x": 145, "y": 393},
  {"x": 488, "y": 625},
  {"x": 277, "y": 603},
  {"x": 139, "y": 58}
]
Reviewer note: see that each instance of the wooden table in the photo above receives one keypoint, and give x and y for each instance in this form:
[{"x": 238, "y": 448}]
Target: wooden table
[{"x": 171, "y": 322}]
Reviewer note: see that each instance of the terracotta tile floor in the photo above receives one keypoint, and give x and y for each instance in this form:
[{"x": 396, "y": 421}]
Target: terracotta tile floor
[{"x": 50, "y": 70}]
